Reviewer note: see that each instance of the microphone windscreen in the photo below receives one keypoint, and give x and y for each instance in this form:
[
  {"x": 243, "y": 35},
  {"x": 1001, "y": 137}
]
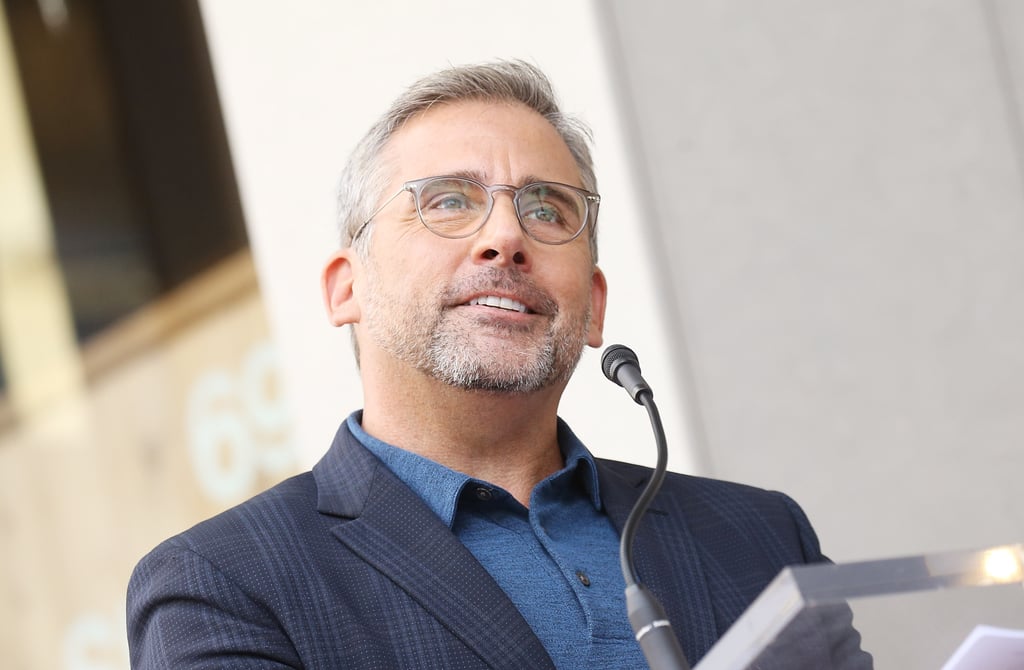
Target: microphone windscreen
[{"x": 613, "y": 357}]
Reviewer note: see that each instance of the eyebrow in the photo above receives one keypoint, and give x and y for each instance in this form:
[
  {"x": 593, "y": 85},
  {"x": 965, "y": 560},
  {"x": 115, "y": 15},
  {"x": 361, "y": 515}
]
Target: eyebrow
[{"x": 479, "y": 176}]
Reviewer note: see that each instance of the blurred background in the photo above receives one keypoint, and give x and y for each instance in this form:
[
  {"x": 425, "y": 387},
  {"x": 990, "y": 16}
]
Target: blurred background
[{"x": 812, "y": 225}]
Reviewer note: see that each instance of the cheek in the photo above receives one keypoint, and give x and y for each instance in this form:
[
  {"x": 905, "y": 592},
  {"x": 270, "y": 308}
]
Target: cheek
[
  {"x": 411, "y": 258},
  {"x": 417, "y": 284},
  {"x": 575, "y": 303}
]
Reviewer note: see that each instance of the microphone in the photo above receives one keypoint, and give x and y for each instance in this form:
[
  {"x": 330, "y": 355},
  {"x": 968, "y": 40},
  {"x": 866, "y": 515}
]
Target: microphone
[
  {"x": 620, "y": 365},
  {"x": 651, "y": 626}
]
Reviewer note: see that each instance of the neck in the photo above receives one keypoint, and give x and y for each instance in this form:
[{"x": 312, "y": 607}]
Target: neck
[{"x": 509, "y": 440}]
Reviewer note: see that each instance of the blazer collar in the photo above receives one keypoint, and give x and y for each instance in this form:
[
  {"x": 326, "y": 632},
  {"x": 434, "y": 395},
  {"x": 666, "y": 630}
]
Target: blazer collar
[{"x": 393, "y": 530}]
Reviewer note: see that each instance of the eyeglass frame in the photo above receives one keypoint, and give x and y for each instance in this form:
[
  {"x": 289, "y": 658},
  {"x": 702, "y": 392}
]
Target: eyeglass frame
[{"x": 416, "y": 185}]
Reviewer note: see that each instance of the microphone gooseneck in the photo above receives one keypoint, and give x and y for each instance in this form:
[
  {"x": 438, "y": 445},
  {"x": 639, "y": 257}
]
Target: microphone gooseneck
[{"x": 650, "y": 625}]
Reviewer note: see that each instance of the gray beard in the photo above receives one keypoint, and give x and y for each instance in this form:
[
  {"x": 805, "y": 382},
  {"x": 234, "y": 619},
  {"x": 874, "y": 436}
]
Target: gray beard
[
  {"x": 452, "y": 362},
  {"x": 446, "y": 352}
]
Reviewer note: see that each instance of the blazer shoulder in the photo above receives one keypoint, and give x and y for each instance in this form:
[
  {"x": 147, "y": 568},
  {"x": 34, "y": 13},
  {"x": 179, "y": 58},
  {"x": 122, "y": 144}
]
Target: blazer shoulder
[
  {"x": 693, "y": 485},
  {"x": 263, "y": 521},
  {"x": 716, "y": 503}
]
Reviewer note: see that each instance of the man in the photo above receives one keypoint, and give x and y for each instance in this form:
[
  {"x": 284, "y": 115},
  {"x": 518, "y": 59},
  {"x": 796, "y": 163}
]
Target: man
[{"x": 456, "y": 522}]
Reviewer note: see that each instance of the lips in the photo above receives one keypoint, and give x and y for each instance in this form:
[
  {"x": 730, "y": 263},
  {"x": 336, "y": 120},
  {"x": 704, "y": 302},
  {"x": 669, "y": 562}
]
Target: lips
[
  {"x": 507, "y": 290},
  {"x": 500, "y": 302}
]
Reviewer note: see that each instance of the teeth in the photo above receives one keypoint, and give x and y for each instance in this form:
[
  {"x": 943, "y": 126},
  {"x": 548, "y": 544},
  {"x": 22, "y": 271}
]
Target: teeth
[{"x": 503, "y": 303}]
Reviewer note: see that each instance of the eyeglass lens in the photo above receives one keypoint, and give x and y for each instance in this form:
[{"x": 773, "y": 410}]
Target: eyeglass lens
[{"x": 453, "y": 207}]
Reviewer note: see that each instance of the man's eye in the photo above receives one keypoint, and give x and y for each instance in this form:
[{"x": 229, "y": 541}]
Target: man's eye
[
  {"x": 450, "y": 201},
  {"x": 545, "y": 214}
]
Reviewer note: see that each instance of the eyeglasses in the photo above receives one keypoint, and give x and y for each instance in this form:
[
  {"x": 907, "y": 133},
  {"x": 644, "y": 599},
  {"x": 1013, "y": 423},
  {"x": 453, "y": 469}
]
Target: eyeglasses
[{"x": 457, "y": 207}]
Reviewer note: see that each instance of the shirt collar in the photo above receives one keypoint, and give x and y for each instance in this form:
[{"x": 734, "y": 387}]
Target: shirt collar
[
  {"x": 578, "y": 457},
  {"x": 440, "y": 487}
]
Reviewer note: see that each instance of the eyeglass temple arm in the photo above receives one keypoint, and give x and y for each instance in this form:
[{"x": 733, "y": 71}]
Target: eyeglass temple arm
[{"x": 377, "y": 211}]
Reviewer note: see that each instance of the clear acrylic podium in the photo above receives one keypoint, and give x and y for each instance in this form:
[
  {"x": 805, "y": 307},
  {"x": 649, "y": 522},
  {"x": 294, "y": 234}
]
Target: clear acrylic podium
[{"x": 907, "y": 613}]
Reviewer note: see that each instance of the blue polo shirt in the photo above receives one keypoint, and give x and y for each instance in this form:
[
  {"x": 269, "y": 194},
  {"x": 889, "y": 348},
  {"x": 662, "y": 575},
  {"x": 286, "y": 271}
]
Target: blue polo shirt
[{"x": 557, "y": 560}]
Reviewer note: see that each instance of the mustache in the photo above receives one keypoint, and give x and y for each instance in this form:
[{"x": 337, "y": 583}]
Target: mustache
[{"x": 512, "y": 282}]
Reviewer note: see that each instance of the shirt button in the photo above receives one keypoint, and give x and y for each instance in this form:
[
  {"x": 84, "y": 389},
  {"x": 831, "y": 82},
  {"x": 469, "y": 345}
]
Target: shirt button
[
  {"x": 483, "y": 493},
  {"x": 582, "y": 576}
]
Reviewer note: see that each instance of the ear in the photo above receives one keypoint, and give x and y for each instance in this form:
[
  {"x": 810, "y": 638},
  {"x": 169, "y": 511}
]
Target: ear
[
  {"x": 336, "y": 284},
  {"x": 598, "y": 300}
]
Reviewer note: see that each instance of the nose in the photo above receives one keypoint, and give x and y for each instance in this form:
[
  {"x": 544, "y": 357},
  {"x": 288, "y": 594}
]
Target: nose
[{"x": 501, "y": 241}]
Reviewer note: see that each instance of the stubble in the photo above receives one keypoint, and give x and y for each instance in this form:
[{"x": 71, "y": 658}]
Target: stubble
[{"x": 484, "y": 354}]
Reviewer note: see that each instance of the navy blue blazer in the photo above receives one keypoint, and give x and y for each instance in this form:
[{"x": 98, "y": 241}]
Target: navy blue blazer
[{"x": 345, "y": 567}]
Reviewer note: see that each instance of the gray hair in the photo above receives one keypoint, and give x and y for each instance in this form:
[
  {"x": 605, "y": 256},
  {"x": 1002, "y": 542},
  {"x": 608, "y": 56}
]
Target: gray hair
[{"x": 363, "y": 180}]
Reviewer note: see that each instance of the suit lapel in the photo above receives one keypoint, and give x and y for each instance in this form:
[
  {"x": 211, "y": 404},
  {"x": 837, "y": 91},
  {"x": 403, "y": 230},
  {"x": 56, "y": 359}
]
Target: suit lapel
[
  {"x": 396, "y": 533},
  {"x": 667, "y": 558}
]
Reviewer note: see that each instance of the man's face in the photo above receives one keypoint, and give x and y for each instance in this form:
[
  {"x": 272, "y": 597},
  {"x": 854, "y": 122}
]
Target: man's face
[{"x": 432, "y": 303}]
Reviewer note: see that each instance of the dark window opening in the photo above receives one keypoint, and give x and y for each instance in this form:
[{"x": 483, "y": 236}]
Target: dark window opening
[{"x": 132, "y": 149}]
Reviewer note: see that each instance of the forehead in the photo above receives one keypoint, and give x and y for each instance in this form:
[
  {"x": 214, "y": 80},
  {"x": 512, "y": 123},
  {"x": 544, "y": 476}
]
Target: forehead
[{"x": 499, "y": 142}]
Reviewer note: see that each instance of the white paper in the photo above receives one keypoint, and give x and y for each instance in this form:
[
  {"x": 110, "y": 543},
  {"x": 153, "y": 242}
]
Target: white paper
[{"x": 989, "y": 648}]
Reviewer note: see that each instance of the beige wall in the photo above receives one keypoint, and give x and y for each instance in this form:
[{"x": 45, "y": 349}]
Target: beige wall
[
  {"x": 841, "y": 210},
  {"x": 180, "y": 418},
  {"x": 108, "y": 447}
]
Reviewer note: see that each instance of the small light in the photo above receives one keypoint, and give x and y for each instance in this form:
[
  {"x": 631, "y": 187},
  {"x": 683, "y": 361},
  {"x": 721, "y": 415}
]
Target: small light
[
  {"x": 1003, "y": 565},
  {"x": 54, "y": 14}
]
